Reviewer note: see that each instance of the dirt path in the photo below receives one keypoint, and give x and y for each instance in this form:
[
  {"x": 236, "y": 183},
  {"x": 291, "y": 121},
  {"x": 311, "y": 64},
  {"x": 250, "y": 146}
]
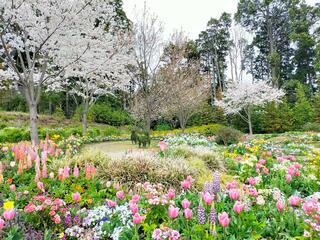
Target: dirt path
[{"x": 115, "y": 149}]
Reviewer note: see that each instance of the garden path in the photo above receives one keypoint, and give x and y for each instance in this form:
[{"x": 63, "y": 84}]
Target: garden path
[{"x": 116, "y": 149}]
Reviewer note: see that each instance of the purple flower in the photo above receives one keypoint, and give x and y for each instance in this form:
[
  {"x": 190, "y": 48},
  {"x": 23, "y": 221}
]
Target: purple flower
[
  {"x": 213, "y": 216},
  {"x": 216, "y": 183},
  {"x": 201, "y": 215}
]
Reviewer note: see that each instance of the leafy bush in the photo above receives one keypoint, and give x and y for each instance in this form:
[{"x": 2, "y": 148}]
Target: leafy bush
[
  {"x": 163, "y": 126},
  {"x": 227, "y": 136},
  {"x": 103, "y": 113},
  {"x": 11, "y": 134},
  {"x": 311, "y": 127}
]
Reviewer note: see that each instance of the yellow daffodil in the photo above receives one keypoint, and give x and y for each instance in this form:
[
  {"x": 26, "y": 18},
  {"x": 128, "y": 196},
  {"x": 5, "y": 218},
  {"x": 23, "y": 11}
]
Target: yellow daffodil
[{"x": 8, "y": 205}]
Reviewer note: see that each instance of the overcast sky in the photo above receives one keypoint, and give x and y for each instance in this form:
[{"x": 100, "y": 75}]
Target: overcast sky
[{"x": 189, "y": 15}]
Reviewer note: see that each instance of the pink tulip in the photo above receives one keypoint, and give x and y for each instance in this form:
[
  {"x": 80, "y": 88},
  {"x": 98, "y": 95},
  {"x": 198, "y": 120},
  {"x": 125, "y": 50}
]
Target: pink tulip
[
  {"x": 173, "y": 212},
  {"x": 111, "y": 203},
  {"x": 120, "y": 195},
  {"x": 40, "y": 186},
  {"x": 2, "y": 224},
  {"x": 137, "y": 218},
  {"x": 190, "y": 179},
  {"x": 223, "y": 219},
  {"x": 238, "y": 207},
  {"x": 163, "y": 145},
  {"x": 76, "y": 197},
  {"x": 265, "y": 170},
  {"x": 185, "y": 203},
  {"x": 8, "y": 214},
  {"x": 234, "y": 194},
  {"x": 294, "y": 200},
  {"x": 262, "y": 161},
  {"x": 12, "y": 187},
  {"x": 76, "y": 172},
  {"x": 171, "y": 193},
  {"x": 135, "y": 198},
  {"x": 185, "y": 184},
  {"x": 252, "y": 181},
  {"x": 134, "y": 208},
  {"x": 288, "y": 178},
  {"x": 291, "y": 170},
  {"x": 253, "y": 192},
  {"x": 280, "y": 205},
  {"x": 297, "y": 165},
  {"x": 188, "y": 213},
  {"x": 207, "y": 198}
]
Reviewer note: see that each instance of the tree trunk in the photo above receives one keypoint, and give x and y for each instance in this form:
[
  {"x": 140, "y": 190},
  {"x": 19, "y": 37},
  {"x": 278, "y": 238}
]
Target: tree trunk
[
  {"x": 67, "y": 112},
  {"x": 33, "y": 123},
  {"x": 147, "y": 127},
  {"x": 84, "y": 123},
  {"x": 249, "y": 122},
  {"x": 84, "y": 118}
]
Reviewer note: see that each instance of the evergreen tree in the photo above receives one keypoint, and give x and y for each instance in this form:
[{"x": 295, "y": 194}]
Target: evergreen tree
[
  {"x": 302, "y": 111},
  {"x": 316, "y": 106},
  {"x": 214, "y": 45},
  {"x": 269, "y": 21},
  {"x": 277, "y": 118}
]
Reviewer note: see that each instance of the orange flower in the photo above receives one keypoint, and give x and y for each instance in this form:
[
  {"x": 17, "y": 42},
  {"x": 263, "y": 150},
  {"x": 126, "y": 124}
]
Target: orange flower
[
  {"x": 82, "y": 190},
  {"x": 9, "y": 180},
  {"x": 89, "y": 201}
]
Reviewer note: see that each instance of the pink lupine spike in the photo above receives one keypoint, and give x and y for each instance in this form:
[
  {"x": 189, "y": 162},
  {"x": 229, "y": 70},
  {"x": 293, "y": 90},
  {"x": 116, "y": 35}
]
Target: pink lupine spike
[
  {"x": 44, "y": 164},
  {"x": 76, "y": 171}
]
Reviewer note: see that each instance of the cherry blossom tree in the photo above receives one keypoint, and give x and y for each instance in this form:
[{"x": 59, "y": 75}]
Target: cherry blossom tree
[
  {"x": 40, "y": 40},
  {"x": 186, "y": 91},
  {"x": 241, "y": 97},
  {"x": 101, "y": 71}
]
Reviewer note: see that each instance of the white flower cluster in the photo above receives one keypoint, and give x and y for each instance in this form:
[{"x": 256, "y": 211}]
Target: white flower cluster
[
  {"x": 190, "y": 139},
  {"x": 99, "y": 216}
]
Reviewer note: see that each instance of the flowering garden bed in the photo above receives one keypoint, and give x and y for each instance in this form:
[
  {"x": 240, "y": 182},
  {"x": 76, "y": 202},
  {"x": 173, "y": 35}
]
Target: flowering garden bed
[{"x": 269, "y": 190}]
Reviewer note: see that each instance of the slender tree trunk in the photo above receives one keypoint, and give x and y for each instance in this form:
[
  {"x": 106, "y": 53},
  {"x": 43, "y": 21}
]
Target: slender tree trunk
[
  {"x": 33, "y": 123},
  {"x": 67, "y": 112},
  {"x": 249, "y": 122},
  {"x": 147, "y": 127},
  {"x": 84, "y": 118}
]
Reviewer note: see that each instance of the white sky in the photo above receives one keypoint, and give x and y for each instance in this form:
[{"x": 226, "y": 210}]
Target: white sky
[{"x": 189, "y": 15}]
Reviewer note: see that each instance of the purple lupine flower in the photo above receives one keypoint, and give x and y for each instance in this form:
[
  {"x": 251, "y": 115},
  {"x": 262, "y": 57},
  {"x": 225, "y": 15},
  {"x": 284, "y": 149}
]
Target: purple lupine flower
[
  {"x": 201, "y": 215},
  {"x": 207, "y": 187},
  {"x": 216, "y": 183},
  {"x": 213, "y": 216}
]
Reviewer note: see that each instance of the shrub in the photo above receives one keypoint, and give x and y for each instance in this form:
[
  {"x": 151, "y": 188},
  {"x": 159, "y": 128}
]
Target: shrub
[
  {"x": 315, "y": 127},
  {"x": 207, "y": 130},
  {"x": 103, "y": 113},
  {"x": 228, "y": 136},
  {"x": 163, "y": 126},
  {"x": 11, "y": 134}
]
